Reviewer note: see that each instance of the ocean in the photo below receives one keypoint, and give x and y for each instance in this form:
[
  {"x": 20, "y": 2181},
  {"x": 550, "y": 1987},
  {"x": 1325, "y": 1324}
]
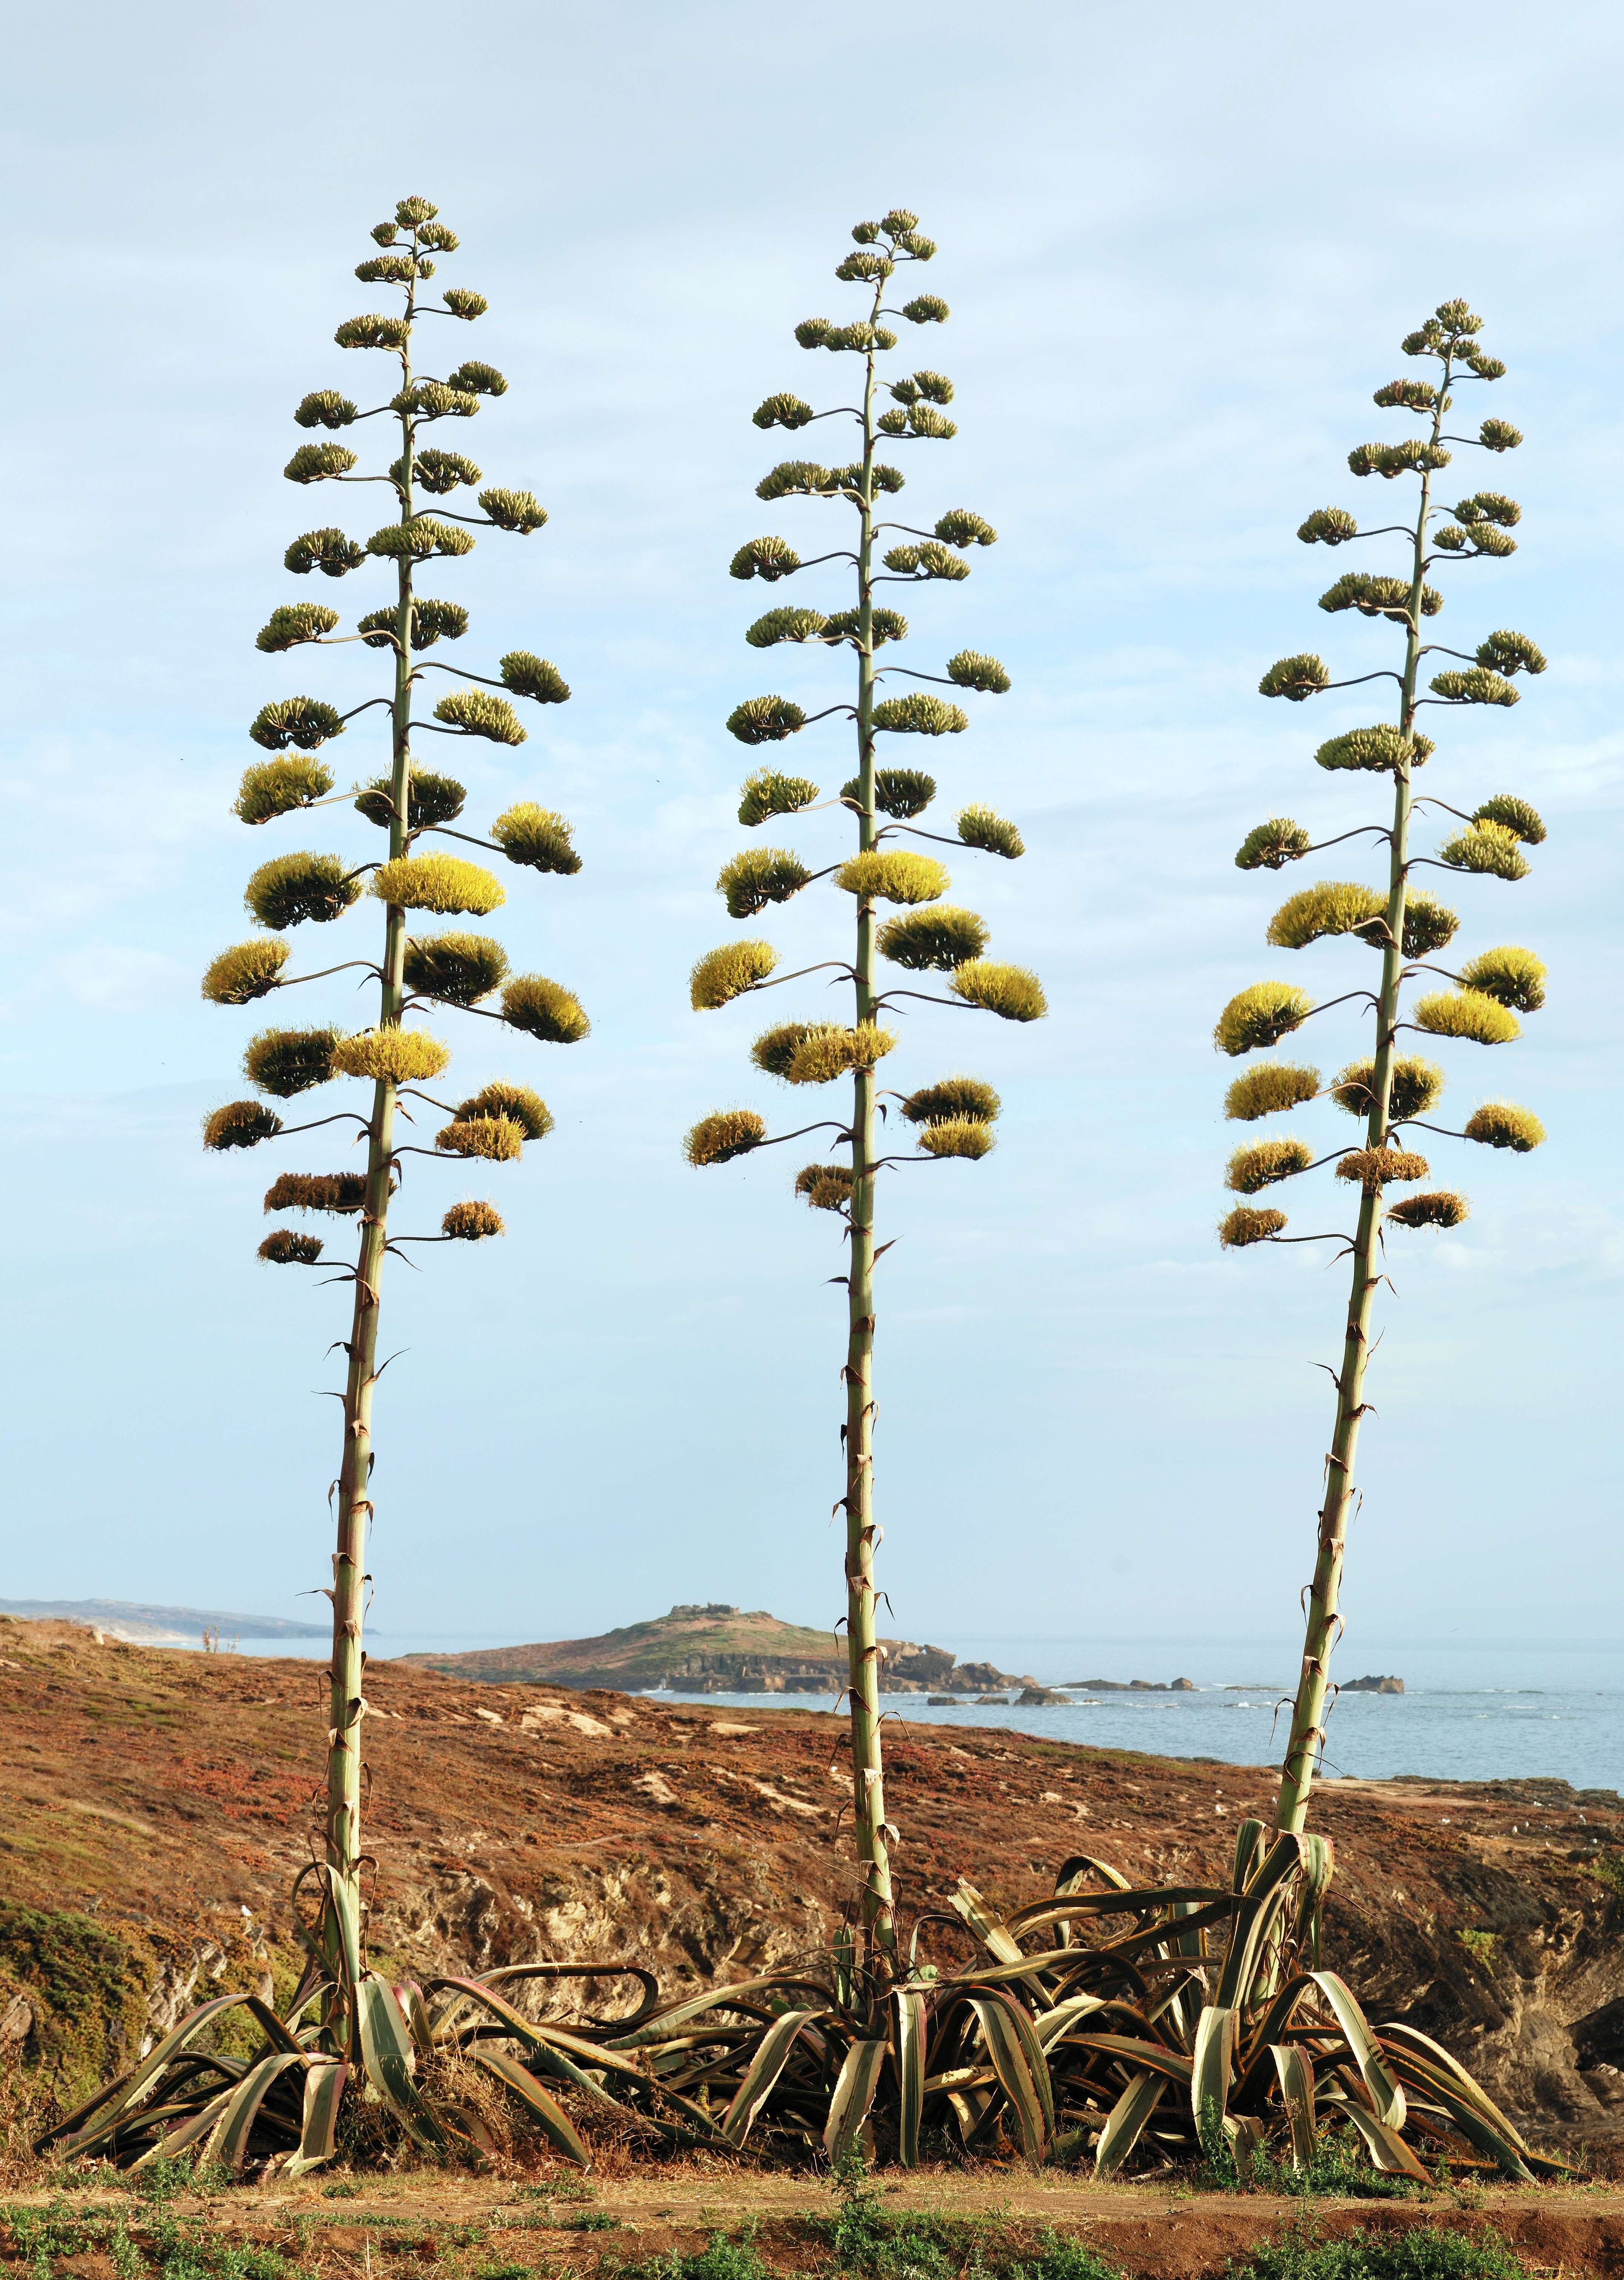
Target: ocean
[{"x": 1484, "y": 1710}]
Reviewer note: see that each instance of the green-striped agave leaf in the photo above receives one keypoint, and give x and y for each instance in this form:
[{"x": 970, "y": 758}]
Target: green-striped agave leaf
[
  {"x": 674, "y": 2015},
  {"x": 1023, "y": 2074},
  {"x": 1049, "y": 2026},
  {"x": 1409, "y": 2042},
  {"x": 540, "y": 2104},
  {"x": 1251, "y": 1844},
  {"x": 229, "y": 2139},
  {"x": 1295, "y": 2078},
  {"x": 324, "y": 2089},
  {"x": 854, "y": 2094},
  {"x": 767, "y": 2062},
  {"x": 908, "y": 2049},
  {"x": 1265, "y": 1896},
  {"x": 109, "y": 2112},
  {"x": 1387, "y": 2149},
  {"x": 1212, "y": 2065},
  {"x": 187, "y": 2131},
  {"x": 1387, "y": 2097},
  {"x": 1125, "y": 2122},
  {"x": 968, "y": 1903},
  {"x": 387, "y": 2059},
  {"x": 1079, "y": 1864}
]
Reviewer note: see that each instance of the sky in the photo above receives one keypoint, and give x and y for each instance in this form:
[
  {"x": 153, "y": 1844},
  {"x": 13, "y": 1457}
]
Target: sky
[{"x": 1181, "y": 251}]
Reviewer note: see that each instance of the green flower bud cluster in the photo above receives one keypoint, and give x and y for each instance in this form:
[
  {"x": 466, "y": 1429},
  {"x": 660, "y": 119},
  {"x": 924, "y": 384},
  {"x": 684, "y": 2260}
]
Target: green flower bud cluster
[
  {"x": 513, "y": 511},
  {"x": 325, "y": 407},
  {"x": 412, "y": 213},
  {"x": 1482, "y": 539},
  {"x": 923, "y": 387},
  {"x": 919, "y": 421},
  {"x": 1515, "y": 813},
  {"x": 795, "y": 479},
  {"x": 959, "y": 526},
  {"x": 900, "y": 792},
  {"x": 971, "y": 670},
  {"x": 767, "y": 793},
  {"x": 432, "y": 799},
  {"x": 758, "y": 876},
  {"x": 439, "y": 472},
  {"x": 317, "y": 463},
  {"x": 786, "y": 625},
  {"x": 392, "y": 269},
  {"x": 1499, "y": 435},
  {"x": 373, "y": 333},
  {"x": 936, "y": 939},
  {"x": 1270, "y": 846},
  {"x": 544, "y": 1010},
  {"x": 979, "y": 827},
  {"x": 464, "y": 304},
  {"x": 1406, "y": 395},
  {"x": 771, "y": 558},
  {"x": 1378, "y": 597},
  {"x": 926, "y": 561},
  {"x": 1508, "y": 653},
  {"x": 527, "y": 675},
  {"x": 475, "y": 713},
  {"x": 1476, "y": 687},
  {"x": 285, "y": 1062},
  {"x": 432, "y": 399},
  {"x": 1379, "y": 749},
  {"x": 302, "y": 720},
  {"x": 536, "y": 837},
  {"x": 418, "y": 541},
  {"x": 1410, "y": 457},
  {"x": 765, "y": 720},
  {"x": 1296, "y": 678},
  {"x": 458, "y": 968},
  {"x": 1488, "y": 506},
  {"x": 920, "y": 714},
  {"x": 864, "y": 269},
  {"x": 274, "y": 788},
  {"x": 439, "y": 239},
  {"x": 1328, "y": 526},
  {"x": 782, "y": 411},
  {"x": 292, "y": 623},
  {"x": 327, "y": 551},
  {"x": 1490, "y": 849},
  {"x": 290, "y": 889},
  {"x": 472, "y": 378},
  {"x": 862, "y": 339},
  {"x": 925, "y": 308},
  {"x": 884, "y": 626}
]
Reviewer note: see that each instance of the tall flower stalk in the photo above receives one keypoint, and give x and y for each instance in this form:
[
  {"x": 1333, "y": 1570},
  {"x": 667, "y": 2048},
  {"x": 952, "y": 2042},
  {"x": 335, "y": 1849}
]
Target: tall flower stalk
[
  {"x": 1392, "y": 1092},
  {"x": 952, "y": 1119},
  {"x": 450, "y": 969}
]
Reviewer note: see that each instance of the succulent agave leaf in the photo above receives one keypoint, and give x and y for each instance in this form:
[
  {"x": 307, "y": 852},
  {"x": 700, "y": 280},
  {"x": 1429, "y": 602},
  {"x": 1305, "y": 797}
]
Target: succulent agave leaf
[
  {"x": 1077, "y": 1865},
  {"x": 1125, "y": 2122},
  {"x": 908, "y": 2049},
  {"x": 511, "y": 1971},
  {"x": 1295, "y": 2078},
  {"x": 1419, "y": 2050},
  {"x": 554, "y": 2047},
  {"x": 854, "y": 2093},
  {"x": 387, "y": 2061},
  {"x": 187, "y": 2131},
  {"x": 110, "y": 2107},
  {"x": 767, "y": 2062},
  {"x": 324, "y": 2088},
  {"x": 540, "y": 2104},
  {"x": 1387, "y": 2149},
  {"x": 1265, "y": 1897},
  {"x": 1318, "y": 1864},
  {"x": 676, "y": 2016},
  {"x": 1023, "y": 2073},
  {"x": 1212, "y": 2069},
  {"x": 229, "y": 2139},
  {"x": 968, "y": 1902},
  {"x": 1379, "y": 2080},
  {"x": 1251, "y": 1842}
]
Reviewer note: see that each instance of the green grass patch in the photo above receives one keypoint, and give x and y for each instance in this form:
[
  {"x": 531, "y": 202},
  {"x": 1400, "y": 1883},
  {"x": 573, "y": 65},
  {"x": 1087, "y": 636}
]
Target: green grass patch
[{"x": 1422, "y": 2253}]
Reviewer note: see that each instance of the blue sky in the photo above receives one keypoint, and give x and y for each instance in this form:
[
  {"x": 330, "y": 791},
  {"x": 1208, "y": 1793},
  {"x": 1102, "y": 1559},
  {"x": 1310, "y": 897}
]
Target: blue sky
[{"x": 1180, "y": 254}]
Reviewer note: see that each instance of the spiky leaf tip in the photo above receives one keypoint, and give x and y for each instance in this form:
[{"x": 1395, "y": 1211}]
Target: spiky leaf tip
[
  {"x": 325, "y": 407},
  {"x": 1491, "y": 850},
  {"x": 289, "y": 1061},
  {"x": 920, "y": 714},
  {"x": 1332, "y": 907},
  {"x": 476, "y": 712},
  {"x": 274, "y": 788},
  {"x": 443, "y": 883},
  {"x": 757, "y": 876},
  {"x": 283, "y": 1248},
  {"x": 1381, "y": 748},
  {"x": 515, "y": 510},
  {"x": 391, "y": 1056},
  {"x": 516, "y": 1102},
  {"x": 1267, "y": 1089},
  {"x": 723, "y": 975},
  {"x": 937, "y": 939},
  {"x": 302, "y": 720},
  {"x": 292, "y": 623},
  {"x": 1270, "y": 846},
  {"x": 1296, "y": 678},
  {"x": 767, "y": 793},
  {"x": 291, "y": 888},
  {"x": 965, "y": 1136},
  {"x": 768, "y": 558},
  {"x": 339, "y": 1192},
  {"x": 240, "y": 1124},
  {"x": 1012, "y": 993},
  {"x": 431, "y": 798},
  {"x": 537, "y": 837},
  {"x": 495, "y": 1139},
  {"x": 782, "y": 411},
  {"x": 472, "y": 1222},
  {"x": 1439, "y": 1209},
  {"x": 826, "y": 1187},
  {"x": 764, "y": 720},
  {"x": 1516, "y": 815},
  {"x": 1468, "y": 1013},
  {"x": 544, "y": 1010},
  {"x": 1264, "y": 1161},
  {"x": 828, "y": 1051},
  {"x": 893, "y": 875},
  {"x": 1510, "y": 974},
  {"x": 524, "y": 674},
  {"x": 1476, "y": 686},
  {"x": 1374, "y": 1168},
  {"x": 717, "y": 1139},
  {"x": 458, "y": 968},
  {"x": 247, "y": 971},
  {"x": 1260, "y": 1016},
  {"x": 1244, "y": 1226},
  {"x": 1414, "y": 1087},
  {"x": 979, "y": 827}
]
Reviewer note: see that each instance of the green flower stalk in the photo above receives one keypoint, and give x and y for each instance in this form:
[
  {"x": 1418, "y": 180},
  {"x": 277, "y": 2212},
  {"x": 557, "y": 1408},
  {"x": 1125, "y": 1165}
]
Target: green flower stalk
[
  {"x": 412, "y": 967},
  {"x": 952, "y": 1121},
  {"x": 1408, "y": 929}
]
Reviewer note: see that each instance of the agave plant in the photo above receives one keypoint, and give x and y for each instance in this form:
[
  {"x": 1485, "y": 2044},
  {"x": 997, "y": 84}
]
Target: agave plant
[
  {"x": 452, "y": 968},
  {"x": 1392, "y": 1092},
  {"x": 952, "y": 1119}
]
